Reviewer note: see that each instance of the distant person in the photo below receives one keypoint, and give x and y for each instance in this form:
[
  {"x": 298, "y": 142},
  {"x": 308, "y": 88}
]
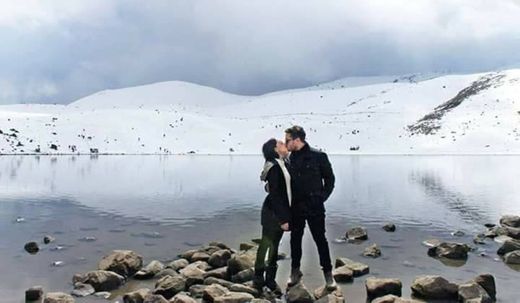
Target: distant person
[
  {"x": 276, "y": 214},
  {"x": 312, "y": 182}
]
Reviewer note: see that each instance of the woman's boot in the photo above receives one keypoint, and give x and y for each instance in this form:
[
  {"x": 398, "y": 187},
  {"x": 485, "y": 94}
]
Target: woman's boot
[
  {"x": 258, "y": 279},
  {"x": 270, "y": 282}
]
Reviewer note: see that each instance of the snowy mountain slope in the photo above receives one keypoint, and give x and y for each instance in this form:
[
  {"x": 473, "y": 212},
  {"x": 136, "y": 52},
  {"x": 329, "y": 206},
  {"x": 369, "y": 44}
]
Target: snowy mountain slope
[{"x": 477, "y": 113}]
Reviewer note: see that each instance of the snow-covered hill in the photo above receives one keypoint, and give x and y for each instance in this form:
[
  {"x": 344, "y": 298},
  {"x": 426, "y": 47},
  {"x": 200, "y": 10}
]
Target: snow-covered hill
[{"x": 413, "y": 114}]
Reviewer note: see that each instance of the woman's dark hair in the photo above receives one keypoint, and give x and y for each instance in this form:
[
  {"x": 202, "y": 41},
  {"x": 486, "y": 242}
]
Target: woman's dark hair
[{"x": 268, "y": 150}]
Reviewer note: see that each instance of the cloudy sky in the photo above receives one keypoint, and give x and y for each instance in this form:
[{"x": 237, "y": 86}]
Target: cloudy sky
[{"x": 59, "y": 51}]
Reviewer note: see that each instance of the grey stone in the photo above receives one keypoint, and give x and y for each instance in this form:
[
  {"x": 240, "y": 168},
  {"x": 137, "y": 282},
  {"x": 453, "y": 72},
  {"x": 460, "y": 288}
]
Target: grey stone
[
  {"x": 378, "y": 287},
  {"x": 169, "y": 286},
  {"x": 82, "y": 290},
  {"x": 456, "y": 251},
  {"x": 58, "y": 297},
  {"x": 372, "y": 251},
  {"x": 434, "y": 287},
  {"x": 101, "y": 280},
  {"x": 299, "y": 294},
  {"x": 124, "y": 262},
  {"x": 150, "y": 270},
  {"x": 357, "y": 268},
  {"x": 136, "y": 296},
  {"x": 34, "y": 293},
  {"x": 512, "y": 257},
  {"x": 473, "y": 292},
  {"x": 357, "y": 233}
]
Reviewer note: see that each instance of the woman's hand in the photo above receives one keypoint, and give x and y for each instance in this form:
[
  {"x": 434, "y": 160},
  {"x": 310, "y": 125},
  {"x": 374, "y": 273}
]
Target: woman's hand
[{"x": 285, "y": 226}]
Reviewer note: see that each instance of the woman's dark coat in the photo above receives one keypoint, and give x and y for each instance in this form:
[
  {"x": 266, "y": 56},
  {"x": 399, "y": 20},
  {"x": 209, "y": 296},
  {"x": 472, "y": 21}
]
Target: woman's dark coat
[{"x": 275, "y": 210}]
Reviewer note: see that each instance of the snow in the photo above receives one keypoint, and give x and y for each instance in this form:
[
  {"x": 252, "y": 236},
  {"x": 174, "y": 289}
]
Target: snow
[{"x": 178, "y": 118}]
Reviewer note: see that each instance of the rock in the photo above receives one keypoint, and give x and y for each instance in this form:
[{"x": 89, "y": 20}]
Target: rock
[
  {"x": 199, "y": 256},
  {"x": 456, "y": 251},
  {"x": 221, "y": 273},
  {"x": 154, "y": 298},
  {"x": 150, "y": 270},
  {"x": 509, "y": 246},
  {"x": 257, "y": 300},
  {"x": 197, "y": 290},
  {"x": 58, "y": 297},
  {"x": 213, "y": 291},
  {"x": 243, "y": 276},
  {"x": 219, "y": 245},
  {"x": 244, "y": 288},
  {"x": 458, "y": 233},
  {"x": 299, "y": 294},
  {"x": 182, "y": 298},
  {"x": 82, "y": 290},
  {"x": 48, "y": 239},
  {"x": 473, "y": 292},
  {"x": 431, "y": 242},
  {"x": 31, "y": 247},
  {"x": 178, "y": 264},
  {"x": 202, "y": 265},
  {"x": 502, "y": 239},
  {"x": 323, "y": 295},
  {"x": 123, "y": 262},
  {"x": 511, "y": 221},
  {"x": 490, "y": 225},
  {"x": 389, "y": 227},
  {"x": 234, "y": 297},
  {"x": 512, "y": 257},
  {"x": 169, "y": 286},
  {"x": 166, "y": 272},
  {"x": 188, "y": 254},
  {"x": 101, "y": 280},
  {"x": 246, "y": 246},
  {"x": 357, "y": 233},
  {"x": 34, "y": 293},
  {"x": 219, "y": 258},
  {"x": 102, "y": 294},
  {"x": 357, "y": 268},
  {"x": 372, "y": 251},
  {"x": 221, "y": 282},
  {"x": 434, "y": 287},
  {"x": 136, "y": 296},
  {"x": 513, "y": 232},
  {"x": 343, "y": 274},
  {"x": 487, "y": 281},
  {"x": 193, "y": 274},
  {"x": 393, "y": 299},
  {"x": 495, "y": 232},
  {"x": 377, "y": 287},
  {"x": 241, "y": 261},
  {"x": 479, "y": 239}
]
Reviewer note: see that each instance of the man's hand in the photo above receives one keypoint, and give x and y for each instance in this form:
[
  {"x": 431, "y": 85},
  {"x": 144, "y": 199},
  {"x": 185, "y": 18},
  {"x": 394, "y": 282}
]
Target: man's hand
[{"x": 285, "y": 226}]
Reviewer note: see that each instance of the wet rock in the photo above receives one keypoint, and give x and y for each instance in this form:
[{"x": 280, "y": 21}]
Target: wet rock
[
  {"x": 372, "y": 251},
  {"x": 82, "y": 290},
  {"x": 48, "y": 239},
  {"x": 155, "y": 298},
  {"x": 323, "y": 295},
  {"x": 241, "y": 261},
  {"x": 496, "y": 231},
  {"x": 490, "y": 225},
  {"x": 243, "y": 276},
  {"x": 357, "y": 268},
  {"x": 343, "y": 274},
  {"x": 509, "y": 246},
  {"x": 219, "y": 258},
  {"x": 431, "y": 242},
  {"x": 511, "y": 221},
  {"x": 197, "y": 290},
  {"x": 234, "y": 297},
  {"x": 512, "y": 257},
  {"x": 394, "y": 299},
  {"x": 244, "y": 288},
  {"x": 458, "y": 233},
  {"x": 221, "y": 273},
  {"x": 182, "y": 298},
  {"x": 434, "y": 287},
  {"x": 166, "y": 272},
  {"x": 101, "y": 280},
  {"x": 199, "y": 256},
  {"x": 513, "y": 232},
  {"x": 502, "y": 239},
  {"x": 178, "y": 264},
  {"x": 31, "y": 247},
  {"x": 123, "y": 262},
  {"x": 34, "y": 293},
  {"x": 58, "y": 297},
  {"x": 299, "y": 294},
  {"x": 479, "y": 239},
  {"x": 357, "y": 233},
  {"x": 202, "y": 265},
  {"x": 150, "y": 270},
  {"x": 169, "y": 286},
  {"x": 221, "y": 282},
  {"x": 473, "y": 292},
  {"x": 389, "y": 227},
  {"x": 136, "y": 296},
  {"x": 456, "y": 251},
  {"x": 213, "y": 291},
  {"x": 193, "y": 275},
  {"x": 188, "y": 254},
  {"x": 377, "y": 287},
  {"x": 487, "y": 281}
]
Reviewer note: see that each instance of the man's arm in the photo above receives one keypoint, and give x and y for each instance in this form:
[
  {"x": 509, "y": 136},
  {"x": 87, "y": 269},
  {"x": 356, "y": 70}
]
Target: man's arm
[{"x": 327, "y": 175}]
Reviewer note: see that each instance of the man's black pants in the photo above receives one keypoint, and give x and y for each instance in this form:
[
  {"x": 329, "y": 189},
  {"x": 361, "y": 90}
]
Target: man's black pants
[{"x": 317, "y": 227}]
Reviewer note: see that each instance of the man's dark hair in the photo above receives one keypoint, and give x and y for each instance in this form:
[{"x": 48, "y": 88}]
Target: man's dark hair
[
  {"x": 268, "y": 150},
  {"x": 296, "y": 132}
]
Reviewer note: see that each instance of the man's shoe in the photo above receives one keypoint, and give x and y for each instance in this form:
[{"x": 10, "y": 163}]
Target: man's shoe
[
  {"x": 330, "y": 283},
  {"x": 296, "y": 277}
]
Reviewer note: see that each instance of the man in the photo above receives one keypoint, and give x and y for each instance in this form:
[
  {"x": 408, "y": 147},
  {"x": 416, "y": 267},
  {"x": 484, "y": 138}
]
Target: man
[{"x": 312, "y": 182}]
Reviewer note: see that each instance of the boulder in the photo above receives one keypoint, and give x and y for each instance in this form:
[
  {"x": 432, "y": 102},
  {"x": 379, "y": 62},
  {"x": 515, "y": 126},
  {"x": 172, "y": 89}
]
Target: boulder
[
  {"x": 169, "y": 286},
  {"x": 219, "y": 245},
  {"x": 213, "y": 291},
  {"x": 34, "y": 293},
  {"x": 513, "y": 232},
  {"x": 343, "y": 274},
  {"x": 197, "y": 290},
  {"x": 182, "y": 298},
  {"x": 221, "y": 282},
  {"x": 357, "y": 233},
  {"x": 82, "y": 290},
  {"x": 243, "y": 276},
  {"x": 178, "y": 264},
  {"x": 234, "y": 297},
  {"x": 101, "y": 280},
  {"x": 394, "y": 299},
  {"x": 357, "y": 268},
  {"x": 154, "y": 298},
  {"x": 193, "y": 275},
  {"x": 473, "y": 292},
  {"x": 188, "y": 254},
  {"x": 149, "y": 271},
  {"x": 166, "y": 272},
  {"x": 456, "y": 251},
  {"x": 31, "y": 247},
  {"x": 241, "y": 261},
  {"x": 378, "y": 287},
  {"x": 434, "y": 287},
  {"x": 512, "y": 257},
  {"x": 495, "y": 232},
  {"x": 487, "y": 281},
  {"x": 509, "y": 246},
  {"x": 510, "y": 221},
  {"x": 202, "y": 265},
  {"x": 199, "y": 256},
  {"x": 299, "y": 294},
  {"x": 136, "y": 296},
  {"x": 372, "y": 251},
  {"x": 221, "y": 273},
  {"x": 124, "y": 262},
  {"x": 389, "y": 227},
  {"x": 247, "y": 246},
  {"x": 323, "y": 295},
  {"x": 58, "y": 297},
  {"x": 219, "y": 258},
  {"x": 244, "y": 288}
]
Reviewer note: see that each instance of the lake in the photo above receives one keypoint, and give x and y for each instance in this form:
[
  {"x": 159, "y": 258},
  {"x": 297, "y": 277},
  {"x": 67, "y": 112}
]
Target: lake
[{"x": 160, "y": 206}]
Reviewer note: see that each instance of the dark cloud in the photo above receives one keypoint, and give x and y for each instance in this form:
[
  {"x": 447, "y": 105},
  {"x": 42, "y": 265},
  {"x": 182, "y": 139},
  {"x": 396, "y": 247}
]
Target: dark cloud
[{"x": 55, "y": 52}]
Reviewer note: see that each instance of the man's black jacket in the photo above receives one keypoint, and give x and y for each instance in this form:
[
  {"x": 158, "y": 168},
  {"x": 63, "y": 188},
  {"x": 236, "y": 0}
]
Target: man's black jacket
[{"x": 312, "y": 181}]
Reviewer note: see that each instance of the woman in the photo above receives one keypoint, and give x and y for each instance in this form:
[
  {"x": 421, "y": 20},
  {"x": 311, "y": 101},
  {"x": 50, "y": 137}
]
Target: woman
[{"x": 276, "y": 213}]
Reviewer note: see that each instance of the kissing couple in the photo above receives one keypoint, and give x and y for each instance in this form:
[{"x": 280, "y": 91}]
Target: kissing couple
[{"x": 298, "y": 180}]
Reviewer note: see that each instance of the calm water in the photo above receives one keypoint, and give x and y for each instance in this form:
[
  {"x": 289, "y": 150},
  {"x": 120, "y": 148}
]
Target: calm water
[{"x": 160, "y": 206}]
